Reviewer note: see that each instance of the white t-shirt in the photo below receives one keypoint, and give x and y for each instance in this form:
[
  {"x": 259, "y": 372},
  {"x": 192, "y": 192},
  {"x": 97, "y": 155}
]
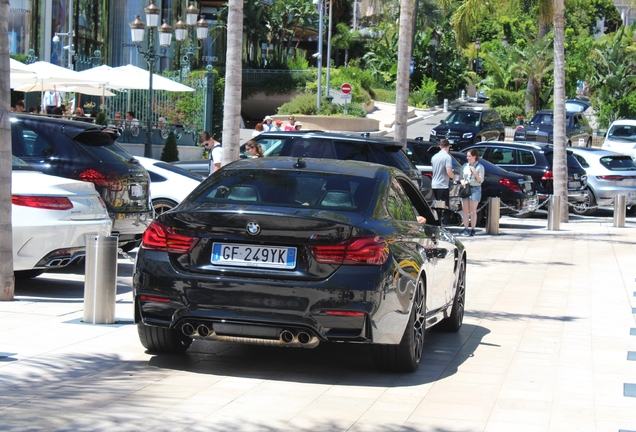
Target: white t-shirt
[{"x": 216, "y": 156}]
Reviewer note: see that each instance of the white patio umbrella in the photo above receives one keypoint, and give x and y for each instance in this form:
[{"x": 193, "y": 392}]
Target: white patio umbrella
[
  {"x": 84, "y": 89},
  {"x": 131, "y": 77},
  {"x": 18, "y": 67},
  {"x": 48, "y": 73}
]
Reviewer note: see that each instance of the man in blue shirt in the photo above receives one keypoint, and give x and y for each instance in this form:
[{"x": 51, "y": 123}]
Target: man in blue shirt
[{"x": 442, "y": 164}]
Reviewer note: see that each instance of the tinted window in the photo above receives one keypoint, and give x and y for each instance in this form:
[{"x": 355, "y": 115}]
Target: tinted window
[
  {"x": 624, "y": 132},
  {"x": 349, "y": 150},
  {"x": 618, "y": 163},
  {"x": 582, "y": 161},
  {"x": 416, "y": 157},
  {"x": 503, "y": 155},
  {"x": 399, "y": 205},
  {"x": 156, "y": 178},
  {"x": 463, "y": 117},
  {"x": 31, "y": 143},
  {"x": 526, "y": 157},
  {"x": 290, "y": 189},
  {"x": 393, "y": 156}
]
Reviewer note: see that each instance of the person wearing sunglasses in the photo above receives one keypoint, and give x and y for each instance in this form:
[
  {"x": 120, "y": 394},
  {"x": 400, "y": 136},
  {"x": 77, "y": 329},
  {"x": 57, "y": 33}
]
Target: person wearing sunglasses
[{"x": 254, "y": 149}]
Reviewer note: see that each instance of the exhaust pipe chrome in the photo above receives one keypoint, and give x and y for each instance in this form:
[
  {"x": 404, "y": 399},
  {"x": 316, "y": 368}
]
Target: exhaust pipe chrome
[
  {"x": 304, "y": 338},
  {"x": 203, "y": 331},
  {"x": 286, "y": 336},
  {"x": 188, "y": 329}
]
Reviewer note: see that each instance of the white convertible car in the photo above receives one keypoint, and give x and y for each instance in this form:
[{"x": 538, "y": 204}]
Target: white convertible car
[{"x": 50, "y": 216}]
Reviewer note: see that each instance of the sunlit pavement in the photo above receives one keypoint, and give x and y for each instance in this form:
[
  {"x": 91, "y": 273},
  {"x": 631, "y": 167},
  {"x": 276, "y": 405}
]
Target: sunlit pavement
[{"x": 548, "y": 344}]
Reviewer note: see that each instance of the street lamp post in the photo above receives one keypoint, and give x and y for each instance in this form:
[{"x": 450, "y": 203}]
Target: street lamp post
[
  {"x": 318, "y": 55},
  {"x": 434, "y": 43},
  {"x": 477, "y": 47},
  {"x": 137, "y": 28},
  {"x": 181, "y": 31}
]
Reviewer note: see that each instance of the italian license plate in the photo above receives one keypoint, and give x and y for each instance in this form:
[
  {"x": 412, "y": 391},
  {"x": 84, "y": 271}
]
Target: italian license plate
[
  {"x": 136, "y": 190},
  {"x": 242, "y": 255},
  {"x": 574, "y": 184}
]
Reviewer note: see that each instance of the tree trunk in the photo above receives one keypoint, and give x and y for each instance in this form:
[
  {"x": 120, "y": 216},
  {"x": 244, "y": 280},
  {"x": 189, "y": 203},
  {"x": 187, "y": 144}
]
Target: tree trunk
[
  {"x": 533, "y": 90},
  {"x": 560, "y": 170},
  {"x": 6, "y": 238},
  {"x": 233, "y": 75},
  {"x": 405, "y": 42}
]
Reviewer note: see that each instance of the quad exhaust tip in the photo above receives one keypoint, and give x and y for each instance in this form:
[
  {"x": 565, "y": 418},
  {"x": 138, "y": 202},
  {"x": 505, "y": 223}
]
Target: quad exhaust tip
[{"x": 287, "y": 337}]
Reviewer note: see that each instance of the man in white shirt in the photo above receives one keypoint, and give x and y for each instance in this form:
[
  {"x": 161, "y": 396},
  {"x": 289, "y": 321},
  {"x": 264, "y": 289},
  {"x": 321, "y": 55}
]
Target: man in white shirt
[
  {"x": 216, "y": 151},
  {"x": 442, "y": 164}
]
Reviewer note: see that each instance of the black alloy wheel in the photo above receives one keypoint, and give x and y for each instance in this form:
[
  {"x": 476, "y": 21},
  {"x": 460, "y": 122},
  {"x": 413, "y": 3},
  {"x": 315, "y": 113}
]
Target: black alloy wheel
[
  {"x": 163, "y": 340},
  {"x": 454, "y": 321},
  {"x": 406, "y": 356},
  {"x": 583, "y": 208}
]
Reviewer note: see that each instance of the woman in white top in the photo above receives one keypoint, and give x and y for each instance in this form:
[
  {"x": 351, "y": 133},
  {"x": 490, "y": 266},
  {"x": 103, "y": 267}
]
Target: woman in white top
[
  {"x": 472, "y": 174},
  {"x": 258, "y": 129}
]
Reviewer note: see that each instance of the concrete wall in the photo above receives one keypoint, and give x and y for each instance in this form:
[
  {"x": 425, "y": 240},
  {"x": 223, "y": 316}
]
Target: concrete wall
[{"x": 333, "y": 123}]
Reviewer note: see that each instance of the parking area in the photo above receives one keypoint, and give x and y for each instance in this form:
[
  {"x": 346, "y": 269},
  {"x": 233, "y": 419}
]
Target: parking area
[{"x": 548, "y": 344}]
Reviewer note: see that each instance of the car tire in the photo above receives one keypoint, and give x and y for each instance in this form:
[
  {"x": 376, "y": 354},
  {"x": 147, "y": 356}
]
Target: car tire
[
  {"x": 583, "y": 208},
  {"x": 631, "y": 211},
  {"x": 454, "y": 321},
  {"x": 406, "y": 356},
  {"x": 27, "y": 274},
  {"x": 162, "y": 205},
  {"x": 163, "y": 340}
]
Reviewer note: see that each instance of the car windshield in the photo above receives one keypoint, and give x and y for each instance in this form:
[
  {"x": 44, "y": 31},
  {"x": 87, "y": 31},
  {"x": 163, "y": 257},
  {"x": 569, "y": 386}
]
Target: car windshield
[
  {"x": 623, "y": 132},
  {"x": 618, "y": 163},
  {"x": 463, "y": 118},
  {"x": 303, "y": 189},
  {"x": 547, "y": 118}
]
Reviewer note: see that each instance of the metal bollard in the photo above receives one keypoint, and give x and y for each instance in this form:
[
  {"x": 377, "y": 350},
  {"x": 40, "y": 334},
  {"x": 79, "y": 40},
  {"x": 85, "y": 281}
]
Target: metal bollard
[
  {"x": 445, "y": 105},
  {"x": 619, "y": 210},
  {"x": 492, "y": 224},
  {"x": 100, "y": 286},
  {"x": 554, "y": 213},
  {"x": 463, "y": 96}
]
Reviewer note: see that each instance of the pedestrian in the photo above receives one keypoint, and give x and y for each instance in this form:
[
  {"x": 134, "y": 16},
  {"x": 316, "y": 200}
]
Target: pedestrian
[
  {"x": 33, "y": 110},
  {"x": 267, "y": 123},
  {"x": 472, "y": 173},
  {"x": 292, "y": 124},
  {"x": 258, "y": 129},
  {"x": 298, "y": 125},
  {"x": 254, "y": 149},
  {"x": 278, "y": 126},
  {"x": 131, "y": 121},
  {"x": 215, "y": 151},
  {"x": 442, "y": 164},
  {"x": 19, "y": 107}
]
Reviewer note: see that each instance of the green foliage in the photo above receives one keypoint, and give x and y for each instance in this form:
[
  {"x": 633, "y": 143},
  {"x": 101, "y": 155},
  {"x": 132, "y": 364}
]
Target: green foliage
[
  {"x": 297, "y": 63},
  {"x": 509, "y": 113},
  {"x": 624, "y": 107},
  {"x": 170, "y": 152},
  {"x": 101, "y": 119},
  {"x": 331, "y": 109},
  {"x": 500, "y": 97},
  {"x": 305, "y": 104},
  {"x": 281, "y": 83},
  {"x": 426, "y": 95},
  {"x": 384, "y": 95}
]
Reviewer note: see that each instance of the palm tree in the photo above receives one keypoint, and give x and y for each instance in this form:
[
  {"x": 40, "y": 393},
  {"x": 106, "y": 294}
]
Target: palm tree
[
  {"x": 233, "y": 74},
  {"x": 6, "y": 251},
  {"x": 560, "y": 170},
  {"x": 405, "y": 42}
]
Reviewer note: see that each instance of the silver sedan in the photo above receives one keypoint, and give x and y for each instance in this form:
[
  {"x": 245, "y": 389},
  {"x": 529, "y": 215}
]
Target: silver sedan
[{"x": 608, "y": 174}]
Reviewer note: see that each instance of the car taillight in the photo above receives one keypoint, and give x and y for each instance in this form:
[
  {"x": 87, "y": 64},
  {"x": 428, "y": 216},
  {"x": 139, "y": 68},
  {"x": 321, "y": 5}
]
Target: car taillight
[
  {"x": 160, "y": 237},
  {"x": 547, "y": 176},
  {"x": 615, "y": 177},
  {"x": 510, "y": 184},
  {"x": 427, "y": 174},
  {"x": 355, "y": 251},
  {"x": 110, "y": 182},
  {"x": 42, "y": 202},
  {"x": 519, "y": 127}
]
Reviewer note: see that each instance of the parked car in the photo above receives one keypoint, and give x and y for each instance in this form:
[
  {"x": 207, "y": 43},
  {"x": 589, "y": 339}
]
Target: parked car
[
  {"x": 541, "y": 129},
  {"x": 608, "y": 174},
  {"x": 315, "y": 144},
  {"x": 535, "y": 160},
  {"x": 577, "y": 105},
  {"x": 169, "y": 184},
  {"x": 49, "y": 217},
  {"x": 199, "y": 167},
  {"x": 421, "y": 152},
  {"x": 467, "y": 126},
  {"x": 87, "y": 152},
  {"x": 293, "y": 253},
  {"x": 621, "y": 137},
  {"x": 516, "y": 191}
]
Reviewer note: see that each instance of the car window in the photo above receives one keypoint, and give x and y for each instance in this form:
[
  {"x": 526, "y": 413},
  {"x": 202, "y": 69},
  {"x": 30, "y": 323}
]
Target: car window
[
  {"x": 618, "y": 163},
  {"x": 393, "y": 156},
  {"x": 581, "y": 160},
  {"x": 101, "y": 146},
  {"x": 625, "y": 132},
  {"x": 398, "y": 203},
  {"x": 422, "y": 154},
  {"x": 420, "y": 205},
  {"x": 526, "y": 157},
  {"x": 349, "y": 150},
  {"x": 464, "y": 118},
  {"x": 271, "y": 146},
  {"x": 306, "y": 189},
  {"x": 502, "y": 155},
  {"x": 415, "y": 157},
  {"x": 28, "y": 142}
]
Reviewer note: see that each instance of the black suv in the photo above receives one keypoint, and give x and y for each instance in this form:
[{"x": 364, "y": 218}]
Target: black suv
[
  {"x": 541, "y": 129},
  {"x": 84, "y": 151},
  {"x": 382, "y": 151},
  {"x": 467, "y": 126},
  {"x": 535, "y": 160}
]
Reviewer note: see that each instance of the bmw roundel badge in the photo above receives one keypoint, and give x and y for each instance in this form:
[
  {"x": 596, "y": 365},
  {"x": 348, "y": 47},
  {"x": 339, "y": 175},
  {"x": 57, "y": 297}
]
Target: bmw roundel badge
[{"x": 253, "y": 228}]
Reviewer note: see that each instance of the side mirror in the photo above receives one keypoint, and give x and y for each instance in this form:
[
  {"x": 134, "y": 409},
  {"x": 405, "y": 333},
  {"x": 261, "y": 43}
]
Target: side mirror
[{"x": 442, "y": 122}]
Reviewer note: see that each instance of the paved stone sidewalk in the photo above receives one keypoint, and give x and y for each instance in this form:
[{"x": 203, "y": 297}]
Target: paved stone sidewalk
[{"x": 548, "y": 344}]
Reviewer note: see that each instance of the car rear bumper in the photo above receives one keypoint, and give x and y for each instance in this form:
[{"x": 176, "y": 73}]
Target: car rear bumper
[
  {"x": 263, "y": 308},
  {"x": 605, "y": 195}
]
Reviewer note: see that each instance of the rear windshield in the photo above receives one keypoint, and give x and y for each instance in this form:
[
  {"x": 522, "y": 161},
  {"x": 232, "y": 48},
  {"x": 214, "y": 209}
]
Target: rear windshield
[
  {"x": 618, "y": 163},
  {"x": 571, "y": 160},
  {"x": 100, "y": 145},
  {"x": 419, "y": 155},
  {"x": 289, "y": 189}
]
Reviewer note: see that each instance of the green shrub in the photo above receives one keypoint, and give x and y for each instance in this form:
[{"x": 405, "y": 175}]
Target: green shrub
[
  {"x": 101, "y": 119},
  {"x": 384, "y": 95},
  {"x": 353, "y": 109},
  {"x": 501, "y": 97},
  {"x": 304, "y": 103},
  {"x": 426, "y": 95},
  {"x": 170, "y": 152},
  {"x": 509, "y": 113}
]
